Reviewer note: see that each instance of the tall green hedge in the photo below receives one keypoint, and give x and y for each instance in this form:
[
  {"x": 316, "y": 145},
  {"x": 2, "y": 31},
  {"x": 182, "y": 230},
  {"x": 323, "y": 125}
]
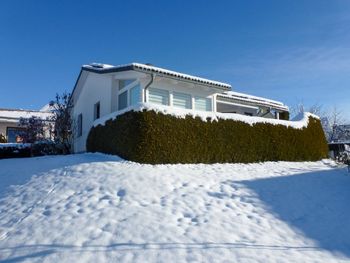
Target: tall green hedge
[{"x": 150, "y": 137}]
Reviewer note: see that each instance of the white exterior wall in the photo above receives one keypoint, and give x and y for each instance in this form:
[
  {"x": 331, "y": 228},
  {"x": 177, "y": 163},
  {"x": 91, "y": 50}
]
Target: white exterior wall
[
  {"x": 4, "y": 125},
  {"x": 97, "y": 88},
  {"x": 104, "y": 88}
]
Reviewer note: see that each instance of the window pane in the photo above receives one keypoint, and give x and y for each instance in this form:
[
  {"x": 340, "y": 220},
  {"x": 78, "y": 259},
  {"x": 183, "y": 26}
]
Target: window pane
[
  {"x": 80, "y": 125},
  {"x": 203, "y": 104},
  {"x": 13, "y": 134},
  {"x": 182, "y": 100},
  {"x": 135, "y": 95},
  {"x": 158, "y": 96},
  {"x": 97, "y": 111},
  {"x": 123, "y": 100},
  {"x": 125, "y": 82}
]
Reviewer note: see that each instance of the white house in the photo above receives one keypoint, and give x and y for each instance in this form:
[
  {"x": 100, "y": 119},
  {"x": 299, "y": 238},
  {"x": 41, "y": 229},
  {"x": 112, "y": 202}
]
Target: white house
[
  {"x": 104, "y": 89},
  {"x": 10, "y": 118}
]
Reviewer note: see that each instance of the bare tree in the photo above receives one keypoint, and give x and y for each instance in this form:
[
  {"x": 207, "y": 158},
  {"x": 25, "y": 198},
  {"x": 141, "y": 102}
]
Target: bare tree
[
  {"x": 335, "y": 120},
  {"x": 63, "y": 123},
  {"x": 299, "y": 108},
  {"x": 33, "y": 129},
  {"x": 332, "y": 120},
  {"x": 2, "y": 138}
]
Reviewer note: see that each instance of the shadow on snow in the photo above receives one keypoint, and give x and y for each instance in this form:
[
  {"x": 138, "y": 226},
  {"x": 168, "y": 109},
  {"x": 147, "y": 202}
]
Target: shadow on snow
[
  {"x": 315, "y": 203},
  {"x": 43, "y": 250}
]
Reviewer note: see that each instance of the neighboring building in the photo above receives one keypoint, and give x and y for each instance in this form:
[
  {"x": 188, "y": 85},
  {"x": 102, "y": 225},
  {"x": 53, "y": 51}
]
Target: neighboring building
[
  {"x": 103, "y": 89},
  {"x": 9, "y": 122},
  {"x": 337, "y": 148}
]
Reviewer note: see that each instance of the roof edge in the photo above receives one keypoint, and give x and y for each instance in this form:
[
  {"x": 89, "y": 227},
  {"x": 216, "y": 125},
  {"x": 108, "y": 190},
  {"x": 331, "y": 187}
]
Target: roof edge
[{"x": 100, "y": 69}]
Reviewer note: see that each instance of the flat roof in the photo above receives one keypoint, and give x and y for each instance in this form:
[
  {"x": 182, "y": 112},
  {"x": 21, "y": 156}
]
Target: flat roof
[
  {"x": 15, "y": 114},
  {"x": 237, "y": 96}
]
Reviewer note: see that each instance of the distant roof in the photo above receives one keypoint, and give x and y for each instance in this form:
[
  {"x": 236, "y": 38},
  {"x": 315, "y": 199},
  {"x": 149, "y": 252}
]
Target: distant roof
[
  {"x": 105, "y": 68},
  {"x": 253, "y": 99},
  {"x": 16, "y": 114}
]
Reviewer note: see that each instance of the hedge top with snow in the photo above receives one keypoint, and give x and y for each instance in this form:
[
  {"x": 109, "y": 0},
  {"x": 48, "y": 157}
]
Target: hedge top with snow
[
  {"x": 153, "y": 134},
  {"x": 299, "y": 122}
]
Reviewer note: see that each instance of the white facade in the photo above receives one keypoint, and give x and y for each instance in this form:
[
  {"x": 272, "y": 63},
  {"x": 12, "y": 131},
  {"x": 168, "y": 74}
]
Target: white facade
[{"x": 106, "y": 89}]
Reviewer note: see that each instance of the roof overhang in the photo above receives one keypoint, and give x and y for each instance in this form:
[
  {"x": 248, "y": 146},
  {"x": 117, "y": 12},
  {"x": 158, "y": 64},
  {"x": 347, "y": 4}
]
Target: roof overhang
[{"x": 158, "y": 71}]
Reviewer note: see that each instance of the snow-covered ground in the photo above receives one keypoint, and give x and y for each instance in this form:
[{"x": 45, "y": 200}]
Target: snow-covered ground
[{"x": 99, "y": 208}]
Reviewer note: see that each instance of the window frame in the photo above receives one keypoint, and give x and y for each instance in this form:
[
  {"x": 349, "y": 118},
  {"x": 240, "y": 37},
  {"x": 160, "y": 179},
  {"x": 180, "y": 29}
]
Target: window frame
[
  {"x": 168, "y": 98},
  {"x": 138, "y": 86},
  {"x": 128, "y": 85},
  {"x": 207, "y": 99},
  {"x": 126, "y": 100},
  {"x": 184, "y": 95}
]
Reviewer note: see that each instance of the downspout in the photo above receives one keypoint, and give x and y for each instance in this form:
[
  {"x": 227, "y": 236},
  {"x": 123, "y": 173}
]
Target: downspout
[{"x": 147, "y": 86}]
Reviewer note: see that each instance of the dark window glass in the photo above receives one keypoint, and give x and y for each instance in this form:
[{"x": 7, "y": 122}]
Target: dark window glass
[
  {"x": 80, "y": 125},
  {"x": 97, "y": 111},
  {"x": 14, "y": 134}
]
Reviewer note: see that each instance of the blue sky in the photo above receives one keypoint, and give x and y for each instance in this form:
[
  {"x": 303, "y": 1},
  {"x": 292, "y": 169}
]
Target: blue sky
[{"x": 291, "y": 51}]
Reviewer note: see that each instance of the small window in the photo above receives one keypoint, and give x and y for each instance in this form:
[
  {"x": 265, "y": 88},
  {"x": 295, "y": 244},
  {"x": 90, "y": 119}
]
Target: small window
[
  {"x": 123, "y": 100},
  {"x": 97, "y": 111},
  {"x": 134, "y": 95},
  {"x": 125, "y": 82},
  {"x": 158, "y": 96},
  {"x": 203, "y": 104},
  {"x": 80, "y": 125},
  {"x": 248, "y": 114},
  {"x": 182, "y": 100}
]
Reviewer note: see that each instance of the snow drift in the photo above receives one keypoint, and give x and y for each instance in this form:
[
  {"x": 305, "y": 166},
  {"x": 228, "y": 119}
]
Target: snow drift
[{"x": 98, "y": 208}]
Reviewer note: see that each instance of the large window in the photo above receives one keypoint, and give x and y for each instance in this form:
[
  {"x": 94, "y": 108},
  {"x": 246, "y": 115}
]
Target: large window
[
  {"x": 182, "y": 100},
  {"x": 123, "y": 100},
  {"x": 125, "y": 82},
  {"x": 97, "y": 111},
  {"x": 158, "y": 96},
  {"x": 14, "y": 134},
  {"x": 203, "y": 104},
  {"x": 134, "y": 95},
  {"x": 80, "y": 125}
]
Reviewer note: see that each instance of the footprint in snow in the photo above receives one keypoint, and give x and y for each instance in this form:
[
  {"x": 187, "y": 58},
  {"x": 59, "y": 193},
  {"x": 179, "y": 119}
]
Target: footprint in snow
[
  {"x": 47, "y": 213},
  {"x": 121, "y": 193},
  {"x": 105, "y": 197}
]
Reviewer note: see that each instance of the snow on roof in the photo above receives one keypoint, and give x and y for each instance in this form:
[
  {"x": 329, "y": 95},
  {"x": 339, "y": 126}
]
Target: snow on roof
[
  {"x": 253, "y": 99},
  {"x": 16, "y": 114},
  {"x": 46, "y": 108},
  {"x": 106, "y": 68}
]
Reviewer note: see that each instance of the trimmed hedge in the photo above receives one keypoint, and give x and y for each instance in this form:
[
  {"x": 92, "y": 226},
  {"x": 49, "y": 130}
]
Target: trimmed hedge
[
  {"x": 41, "y": 148},
  {"x": 12, "y": 151},
  {"x": 150, "y": 137}
]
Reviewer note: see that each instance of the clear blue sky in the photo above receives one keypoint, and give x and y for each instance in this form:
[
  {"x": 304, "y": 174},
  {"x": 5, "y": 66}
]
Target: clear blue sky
[{"x": 286, "y": 50}]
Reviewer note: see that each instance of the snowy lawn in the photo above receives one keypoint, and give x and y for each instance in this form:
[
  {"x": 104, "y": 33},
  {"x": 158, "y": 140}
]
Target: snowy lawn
[{"x": 99, "y": 208}]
